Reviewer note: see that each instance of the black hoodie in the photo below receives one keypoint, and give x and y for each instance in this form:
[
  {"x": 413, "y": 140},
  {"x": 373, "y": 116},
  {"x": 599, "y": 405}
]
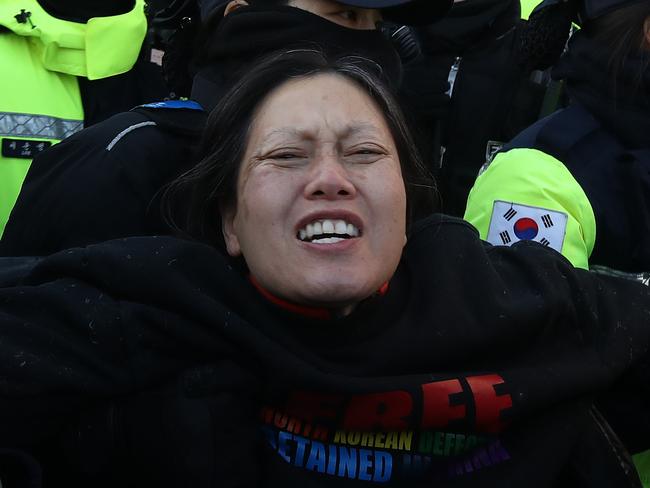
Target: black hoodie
[{"x": 478, "y": 367}]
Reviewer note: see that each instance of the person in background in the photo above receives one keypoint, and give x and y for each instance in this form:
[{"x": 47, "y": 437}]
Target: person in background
[
  {"x": 578, "y": 181},
  {"x": 312, "y": 334},
  {"x": 66, "y": 64},
  {"x": 580, "y": 175},
  {"x": 105, "y": 182},
  {"x": 479, "y": 80}
]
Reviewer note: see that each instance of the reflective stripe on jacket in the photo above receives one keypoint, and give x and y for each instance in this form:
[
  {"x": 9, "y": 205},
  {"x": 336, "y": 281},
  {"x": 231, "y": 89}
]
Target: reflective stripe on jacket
[
  {"x": 571, "y": 163},
  {"x": 41, "y": 57}
]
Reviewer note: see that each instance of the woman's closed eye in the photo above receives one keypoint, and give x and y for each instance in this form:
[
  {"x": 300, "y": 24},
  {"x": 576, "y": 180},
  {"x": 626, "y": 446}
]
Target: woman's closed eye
[
  {"x": 286, "y": 157},
  {"x": 365, "y": 154}
]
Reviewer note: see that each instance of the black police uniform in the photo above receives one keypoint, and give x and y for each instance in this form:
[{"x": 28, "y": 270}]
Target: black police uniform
[
  {"x": 103, "y": 182},
  {"x": 476, "y": 49},
  {"x": 602, "y": 139}
]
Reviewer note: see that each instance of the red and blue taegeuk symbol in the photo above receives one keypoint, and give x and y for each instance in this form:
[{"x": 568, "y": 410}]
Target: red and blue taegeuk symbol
[{"x": 526, "y": 229}]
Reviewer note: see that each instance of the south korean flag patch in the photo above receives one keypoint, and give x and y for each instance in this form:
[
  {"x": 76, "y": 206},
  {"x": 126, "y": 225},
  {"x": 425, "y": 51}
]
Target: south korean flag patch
[{"x": 513, "y": 222}]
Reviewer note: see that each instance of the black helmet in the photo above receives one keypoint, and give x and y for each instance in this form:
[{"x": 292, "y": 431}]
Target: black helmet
[
  {"x": 81, "y": 11},
  {"x": 408, "y": 12}
]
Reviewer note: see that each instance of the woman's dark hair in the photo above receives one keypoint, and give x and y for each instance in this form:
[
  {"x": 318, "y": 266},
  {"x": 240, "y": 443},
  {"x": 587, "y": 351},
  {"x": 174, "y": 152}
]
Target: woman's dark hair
[
  {"x": 192, "y": 202},
  {"x": 621, "y": 34}
]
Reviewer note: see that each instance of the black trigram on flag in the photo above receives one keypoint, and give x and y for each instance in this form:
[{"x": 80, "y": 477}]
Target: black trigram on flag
[
  {"x": 546, "y": 220},
  {"x": 505, "y": 237},
  {"x": 510, "y": 214},
  {"x": 544, "y": 241}
]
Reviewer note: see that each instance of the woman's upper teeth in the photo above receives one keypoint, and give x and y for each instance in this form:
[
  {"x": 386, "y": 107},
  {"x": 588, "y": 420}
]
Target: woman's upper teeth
[{"x": 325, "y": 229}]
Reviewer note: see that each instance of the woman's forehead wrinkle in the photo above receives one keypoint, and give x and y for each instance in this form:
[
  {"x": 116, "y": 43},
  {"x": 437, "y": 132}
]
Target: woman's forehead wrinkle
[
  {"x": 363, "y": 129},
  {"x": 345, "y": 130},
  {"x": 282, "y": 133}
]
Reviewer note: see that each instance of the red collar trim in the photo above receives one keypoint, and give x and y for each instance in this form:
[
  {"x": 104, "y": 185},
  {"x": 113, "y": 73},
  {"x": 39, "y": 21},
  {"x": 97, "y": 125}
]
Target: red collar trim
[
  {"x": 383, "y": 289},
  {"x": 311, "y": 312}
]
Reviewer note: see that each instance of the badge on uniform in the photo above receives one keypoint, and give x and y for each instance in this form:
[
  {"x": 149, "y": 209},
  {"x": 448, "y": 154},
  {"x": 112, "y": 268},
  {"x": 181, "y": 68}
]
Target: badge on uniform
[
  {"x": 23, "y": 148},
  {"x": 514, "y": 222},
  {"x": 491, "y": 150}
]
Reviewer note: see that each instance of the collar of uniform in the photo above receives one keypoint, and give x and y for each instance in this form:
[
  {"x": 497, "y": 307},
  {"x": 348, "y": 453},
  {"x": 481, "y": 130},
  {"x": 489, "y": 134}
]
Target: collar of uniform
[{"x": 102, "y": 47}]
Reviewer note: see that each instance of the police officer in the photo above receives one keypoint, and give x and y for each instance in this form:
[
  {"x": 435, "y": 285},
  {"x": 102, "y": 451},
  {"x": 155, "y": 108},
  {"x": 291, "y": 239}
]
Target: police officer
[
  {"x": 578, "y": 181},
  {"x": 105, "y": 182},
  {"x": 494, "y": 88},
  {"x": 55, "y": 61}
]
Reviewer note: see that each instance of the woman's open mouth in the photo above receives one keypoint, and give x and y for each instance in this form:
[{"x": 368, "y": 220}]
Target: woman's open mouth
[{"x": 328, "y": 231}]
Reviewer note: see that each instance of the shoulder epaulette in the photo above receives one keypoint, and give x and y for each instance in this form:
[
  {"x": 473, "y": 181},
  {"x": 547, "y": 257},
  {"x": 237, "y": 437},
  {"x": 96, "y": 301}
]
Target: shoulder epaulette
[
  {"x": 174, "y": 104},
  {"x": 178, "y": 116},
  {"x": 567, "y": 129}
]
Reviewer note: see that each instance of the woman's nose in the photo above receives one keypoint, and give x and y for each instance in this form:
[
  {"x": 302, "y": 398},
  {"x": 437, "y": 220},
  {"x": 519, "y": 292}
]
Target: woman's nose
[{"x": 329, "y": 179}]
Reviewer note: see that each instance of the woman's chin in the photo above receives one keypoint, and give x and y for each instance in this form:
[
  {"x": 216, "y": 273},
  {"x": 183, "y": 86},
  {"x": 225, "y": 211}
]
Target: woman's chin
[{"x": 336, "y": 295}]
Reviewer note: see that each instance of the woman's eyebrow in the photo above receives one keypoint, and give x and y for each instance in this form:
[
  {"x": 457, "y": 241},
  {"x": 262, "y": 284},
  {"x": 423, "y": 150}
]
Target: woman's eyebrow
[{"x": 289, "y": 130}]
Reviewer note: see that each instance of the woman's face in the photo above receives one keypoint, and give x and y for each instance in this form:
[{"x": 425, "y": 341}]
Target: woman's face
[{"x": 321, "y": 204}]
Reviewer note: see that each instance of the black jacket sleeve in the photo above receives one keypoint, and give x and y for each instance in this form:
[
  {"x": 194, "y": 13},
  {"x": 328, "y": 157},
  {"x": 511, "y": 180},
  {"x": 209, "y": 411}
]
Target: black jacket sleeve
[
  {"x": 77, "y": 330},
  {"x": 100, "y": 184}
]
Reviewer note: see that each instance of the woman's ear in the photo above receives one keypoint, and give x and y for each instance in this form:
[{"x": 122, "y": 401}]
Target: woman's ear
[
  {"x": 234, "y": 5},
  {"x": 228, "y": 229}
]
